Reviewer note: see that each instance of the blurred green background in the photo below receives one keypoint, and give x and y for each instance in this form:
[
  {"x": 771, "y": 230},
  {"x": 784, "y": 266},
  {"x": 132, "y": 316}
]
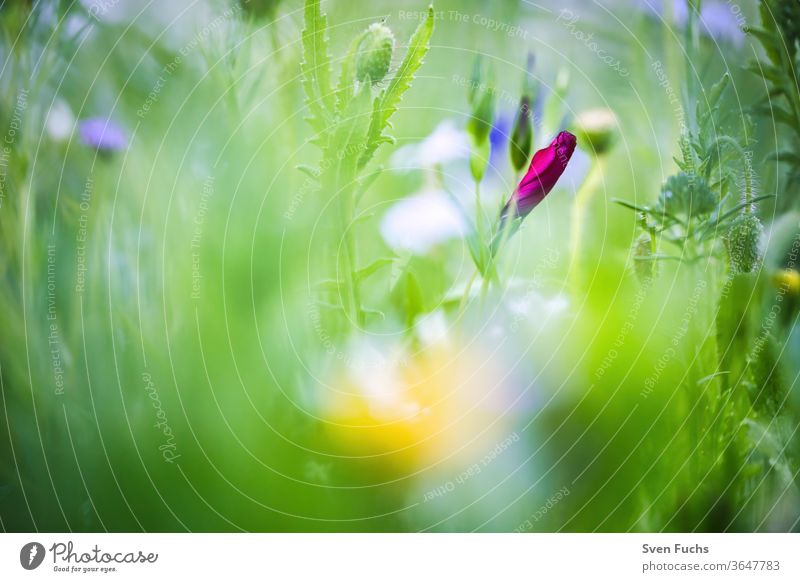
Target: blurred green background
[{"x": 202, "y": 389}]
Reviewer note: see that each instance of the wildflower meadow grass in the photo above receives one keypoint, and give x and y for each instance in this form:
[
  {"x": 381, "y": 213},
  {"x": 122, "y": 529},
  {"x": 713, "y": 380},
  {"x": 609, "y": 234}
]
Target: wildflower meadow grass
[{"x": 291, "y": 265}]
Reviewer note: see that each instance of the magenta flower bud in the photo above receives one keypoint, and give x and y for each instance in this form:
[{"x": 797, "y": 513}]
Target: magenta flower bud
[{"x": 546, "y": 168}]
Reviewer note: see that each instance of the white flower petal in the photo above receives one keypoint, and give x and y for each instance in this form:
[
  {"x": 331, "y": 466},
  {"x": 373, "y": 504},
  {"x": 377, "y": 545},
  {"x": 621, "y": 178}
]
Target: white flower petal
[
  {"x": 446, "y": 144},
  {"x": 60, "y": 121},
  {"x": 422, "y": 221}
]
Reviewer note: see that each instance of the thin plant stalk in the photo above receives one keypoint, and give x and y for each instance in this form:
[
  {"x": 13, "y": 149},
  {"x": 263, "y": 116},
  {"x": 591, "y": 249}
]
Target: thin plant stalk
[{"x": 578, "y": 218}]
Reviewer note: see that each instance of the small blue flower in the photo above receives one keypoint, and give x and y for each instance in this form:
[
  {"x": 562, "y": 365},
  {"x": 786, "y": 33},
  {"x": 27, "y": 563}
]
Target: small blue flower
[
  {"x": 499, "y": 137},
  {"x": 102, "y": 134}
]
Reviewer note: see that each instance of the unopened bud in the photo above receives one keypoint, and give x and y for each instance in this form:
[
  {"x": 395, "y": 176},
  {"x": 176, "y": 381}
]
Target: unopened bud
[
  {"x": 480, "y": 124},
  {"x": 375, "y": 53},
  {"x": 598, "y": 129},
  {"x": 743, "y": 243},
  {"x": 522, "y": 135}
]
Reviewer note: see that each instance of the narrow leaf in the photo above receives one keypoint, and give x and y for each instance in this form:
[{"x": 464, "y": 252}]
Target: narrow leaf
[{"x": 373, "y": 268}]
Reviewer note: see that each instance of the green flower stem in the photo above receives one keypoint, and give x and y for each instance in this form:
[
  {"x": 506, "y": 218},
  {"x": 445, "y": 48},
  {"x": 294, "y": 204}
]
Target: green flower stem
[
  {"x": 348, "y": 266},
  {"x": 485, "y": 282},
  {"x": 479, "y": 224},
  {"x": 465, "y": 298},
  {"x": 579, "y": 208}
]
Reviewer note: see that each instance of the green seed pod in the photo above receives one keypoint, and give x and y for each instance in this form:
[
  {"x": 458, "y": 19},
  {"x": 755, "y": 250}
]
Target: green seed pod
[
  {"x": 598, "y": 128},
  {"x": 643, "y": 264},
  {"x": 375, "y": 53},
  {"x": 475, "y": 80},
  {"x": 480, "y": 124},
  {"x": 743, "y": 243},
  {"x": 687, "y": 195},
  {"x": 522, "y": 135}
]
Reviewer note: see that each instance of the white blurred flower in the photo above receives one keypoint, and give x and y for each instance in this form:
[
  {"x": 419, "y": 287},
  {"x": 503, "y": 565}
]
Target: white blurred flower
[
  {"x": 422, "y": 221},
  {"x": 60, "y": 121},
  {"x": 432, "y": 329},
  {"x": 375, "y": 371},
  {"x": 542, "y": 306},
  {"x": 446, "y": 144},
  {"x": 78, "y": 27}
]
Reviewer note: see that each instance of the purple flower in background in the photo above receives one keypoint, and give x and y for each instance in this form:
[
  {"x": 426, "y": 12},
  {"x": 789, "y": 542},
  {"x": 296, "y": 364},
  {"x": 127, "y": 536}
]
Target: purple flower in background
[
  {"x": 720, "y": 20},
  {"x": 722, "y": 23},
  {"x": 102, "y": 134}
]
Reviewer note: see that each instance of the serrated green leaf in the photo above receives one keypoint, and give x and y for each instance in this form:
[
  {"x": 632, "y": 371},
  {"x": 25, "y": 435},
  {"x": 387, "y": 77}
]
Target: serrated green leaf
[
  {"x": 347, "y": 77},
  {"x": 348, "y": 136},
  {"x": 315, "y": 67},
  {"x": 387, "y": 103}
]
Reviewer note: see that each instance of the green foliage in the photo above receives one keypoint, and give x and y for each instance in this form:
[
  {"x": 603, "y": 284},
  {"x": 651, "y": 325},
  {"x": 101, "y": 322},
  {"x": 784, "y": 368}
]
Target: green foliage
[
  {"x": 736, "y": 325},
  {"x": 315, "y": 67},
  {"x": 778, "y": 35},
  {"x": 481, "y": 96},
  {"x": 685, "y": 195},
  {"x": 347, "y": 76},
  {"x": 407, "y": 296},
  {"x": 695, "y": 210},
  {"x": 368, "y": 58},
  {"x": 687, "y": 392},
  {"x": 350, "y": 122},
  {"x": 387, "y": 102},
  {"x": 768, "y": 387}
]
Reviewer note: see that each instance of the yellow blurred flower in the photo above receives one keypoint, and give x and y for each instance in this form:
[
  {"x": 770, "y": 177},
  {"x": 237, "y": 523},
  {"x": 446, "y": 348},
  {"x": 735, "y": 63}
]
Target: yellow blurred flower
[
  {"x": 434, "y": 404},
  {"x": 788, "y": 278}
]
